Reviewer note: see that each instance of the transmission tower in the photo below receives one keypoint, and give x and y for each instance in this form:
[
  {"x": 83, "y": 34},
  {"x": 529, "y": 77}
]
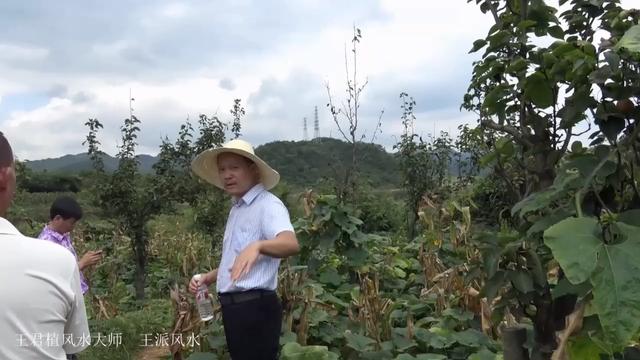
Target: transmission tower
[
  {"x": 306, "y": 134},
  {"x": 316, "y": 125}
]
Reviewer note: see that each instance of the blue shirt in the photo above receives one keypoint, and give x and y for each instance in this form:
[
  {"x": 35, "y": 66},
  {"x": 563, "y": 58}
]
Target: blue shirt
[{"x": 258, "y": 215}]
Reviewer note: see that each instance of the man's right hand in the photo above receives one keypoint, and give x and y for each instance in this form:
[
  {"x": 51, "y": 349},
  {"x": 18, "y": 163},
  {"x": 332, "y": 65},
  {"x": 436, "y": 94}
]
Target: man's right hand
[
  {"x": 207, "y": 279},
  {"x": 90, "y": 258}
]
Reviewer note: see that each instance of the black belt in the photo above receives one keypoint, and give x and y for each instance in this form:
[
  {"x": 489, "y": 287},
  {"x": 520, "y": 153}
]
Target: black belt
[{"x": 240, "y": 297}]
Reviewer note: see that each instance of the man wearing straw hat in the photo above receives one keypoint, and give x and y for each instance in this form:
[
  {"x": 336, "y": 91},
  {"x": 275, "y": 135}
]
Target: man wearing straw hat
[{"x": 257, "y": 235}]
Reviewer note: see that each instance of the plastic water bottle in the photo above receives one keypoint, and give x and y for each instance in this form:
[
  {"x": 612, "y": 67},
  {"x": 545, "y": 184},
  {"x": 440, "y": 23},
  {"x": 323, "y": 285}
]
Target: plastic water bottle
[{"x": 205, "y": 307}]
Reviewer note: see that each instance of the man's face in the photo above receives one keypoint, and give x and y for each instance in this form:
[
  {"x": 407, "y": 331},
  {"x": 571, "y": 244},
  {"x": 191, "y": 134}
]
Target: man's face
[
  {"x": 7, "y": 187},
  {"x": 62, "y": 225},
  {"x": 238, "y": 174}
]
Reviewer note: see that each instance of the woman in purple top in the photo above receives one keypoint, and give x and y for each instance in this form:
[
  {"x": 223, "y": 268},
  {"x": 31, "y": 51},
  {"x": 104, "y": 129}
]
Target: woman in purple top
[{"x": 64, "y": 214}]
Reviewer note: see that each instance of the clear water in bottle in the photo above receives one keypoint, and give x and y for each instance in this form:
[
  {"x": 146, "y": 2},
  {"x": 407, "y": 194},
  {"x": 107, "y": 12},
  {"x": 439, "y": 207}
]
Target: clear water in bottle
[{"x": 203, "y": 301}]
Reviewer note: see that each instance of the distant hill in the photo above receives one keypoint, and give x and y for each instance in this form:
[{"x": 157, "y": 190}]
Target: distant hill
[
  {"x": 81, "y": 162},
  {"x": 306, "y": 162},
  {"x": 300, "y": 163}
]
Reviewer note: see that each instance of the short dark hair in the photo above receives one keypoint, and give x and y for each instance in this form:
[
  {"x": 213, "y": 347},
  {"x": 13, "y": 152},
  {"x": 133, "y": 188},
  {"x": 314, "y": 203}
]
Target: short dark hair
[{"x": 67, "y": 207}]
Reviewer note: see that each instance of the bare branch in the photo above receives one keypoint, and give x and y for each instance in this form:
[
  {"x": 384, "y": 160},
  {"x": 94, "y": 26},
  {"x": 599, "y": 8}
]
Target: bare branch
[
  {"x": 507, "y": 179},
  {"x": 356, "y": 92},
  {"x": 334, "y": 114},
  {"x": 378, "y": 126},
  {"x": 508, "y": 130}
]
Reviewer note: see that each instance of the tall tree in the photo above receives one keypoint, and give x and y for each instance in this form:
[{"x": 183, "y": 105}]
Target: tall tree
[{"x": 534, "y": 100}]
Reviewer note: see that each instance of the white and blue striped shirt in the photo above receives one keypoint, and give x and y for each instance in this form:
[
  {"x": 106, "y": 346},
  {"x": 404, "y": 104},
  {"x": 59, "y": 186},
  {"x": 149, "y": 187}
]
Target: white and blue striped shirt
[{"x": 258, "y": 215}]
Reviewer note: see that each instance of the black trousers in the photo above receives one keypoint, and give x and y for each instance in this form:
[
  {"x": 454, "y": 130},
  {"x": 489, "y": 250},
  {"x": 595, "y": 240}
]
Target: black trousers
[{"x": 252, "y": 327}]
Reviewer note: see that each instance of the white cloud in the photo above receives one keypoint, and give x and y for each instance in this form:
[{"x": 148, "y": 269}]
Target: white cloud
[
  {"x": 182, "y": 58},
  {"x": 14, "y": 53},
  {"x": 174, "y": 10},
  {"x": 279, "y": 86}
]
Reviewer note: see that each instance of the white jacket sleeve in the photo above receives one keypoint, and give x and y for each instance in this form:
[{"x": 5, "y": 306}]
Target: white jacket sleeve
[{"x": 76, "y": 331}]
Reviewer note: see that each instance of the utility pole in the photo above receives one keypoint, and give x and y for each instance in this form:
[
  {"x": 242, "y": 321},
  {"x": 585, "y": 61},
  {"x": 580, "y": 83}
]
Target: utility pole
[
  {"x": 306, "y": 134},
  {"x": 316, "y": 125},
  {"x": 131, "y": 99}
]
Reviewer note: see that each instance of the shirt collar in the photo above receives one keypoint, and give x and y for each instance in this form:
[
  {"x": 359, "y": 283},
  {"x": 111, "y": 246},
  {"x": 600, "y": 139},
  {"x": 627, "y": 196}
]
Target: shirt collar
[
  {"x": 250, "y": 195},
  {"x": 54, "y": 233},
  {"x": 7, "y": 228}
]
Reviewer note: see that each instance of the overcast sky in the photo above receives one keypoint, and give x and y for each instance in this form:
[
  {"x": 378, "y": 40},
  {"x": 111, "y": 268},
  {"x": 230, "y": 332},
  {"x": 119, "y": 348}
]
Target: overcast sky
[{"x": 63, "y": 62}]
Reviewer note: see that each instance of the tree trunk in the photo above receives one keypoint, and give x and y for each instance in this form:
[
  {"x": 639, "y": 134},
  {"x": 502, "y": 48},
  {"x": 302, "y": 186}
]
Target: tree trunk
[
  {"x": 411, "y": 222},
  {"x": 140, "y": 252}
]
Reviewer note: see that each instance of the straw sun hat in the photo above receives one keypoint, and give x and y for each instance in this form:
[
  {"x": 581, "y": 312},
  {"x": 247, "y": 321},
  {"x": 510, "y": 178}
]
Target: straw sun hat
[{"x": 205, "y": 165}]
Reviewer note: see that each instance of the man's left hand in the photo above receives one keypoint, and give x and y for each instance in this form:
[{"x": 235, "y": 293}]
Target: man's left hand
[{"x": 244, "y": 262}]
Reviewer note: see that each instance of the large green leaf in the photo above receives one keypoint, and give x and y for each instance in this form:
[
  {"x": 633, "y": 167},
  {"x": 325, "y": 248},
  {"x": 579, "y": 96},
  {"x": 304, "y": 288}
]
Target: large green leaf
[
  {"x": 421, "y": 357},
  {"x": 442, "y": 338},
  {"x": 294, "y": 351},
  {"x": 376, "y": 355},
  {"x": 556, "y": 32},
  {"x": 545, "y": 222},
  {"x": 328, "y": 238},
  {"x": 404, "y": 357},
  {"x": 330, "y": 276},
  {"x": 616, "y": 287},
  {"x": 403, "y": 344},
  {"x": 575, "y": 244},
  {"x": 588, "y": 166},
  {"x": 494, "y": 101},
  {"x": 430, "y": 356},
  {"x": 505, "y": 147},
  {"x": 499, "y": 39},
  {"x": 575, "y": 107},
  {"x": 521, "y": 280},
  {"x": 216, "y": 342},
  {"x": 484, "y": 354},
  {"x": 423, "y": 336},
  {"x": 611, "y": 126},
  {"x": 613, "y": 60},
  {"x": 565, "y": 181},
  {"x": 286, "y": 337},
  {"x": 517, "y": 65},
  {"x": 601, "y": 75},
  {"x": 536, "y": 201},
  {"x": 477, "y": 45},
  {"x": 317, "y": 315},
  {"x": 471, "y": 337},
  {"x": 564, "y": 287},
  {"x": 358, "y": 342},
  {"x": 584, "y": 349},
  {"x": 493, "y": 284},
  {"x": 491, "y": 260},
  {"x": 631, "y": 217},
  {"x": 630, "y": 40},
  {"x": 458, "y": 314},
  {"x": 357, "y": 256},
  {"x": 614, "y": 271},
  {"x": 538, "y": 89}
]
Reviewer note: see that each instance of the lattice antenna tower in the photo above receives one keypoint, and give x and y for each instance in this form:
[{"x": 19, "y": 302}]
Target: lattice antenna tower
[
  {"x": 306, "y": 133},
  {"x": 316, "y": 124}
]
